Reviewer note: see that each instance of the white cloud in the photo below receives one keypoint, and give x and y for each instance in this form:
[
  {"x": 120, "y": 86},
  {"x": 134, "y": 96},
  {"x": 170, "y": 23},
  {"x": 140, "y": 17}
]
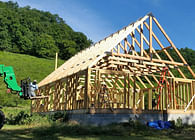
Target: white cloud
[{"x": 86, "y": 20}]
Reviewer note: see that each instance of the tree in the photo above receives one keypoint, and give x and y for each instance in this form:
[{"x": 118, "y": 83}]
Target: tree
[
  {"x": 45, "y": 46},
  {"x": 67, "y": 49}
]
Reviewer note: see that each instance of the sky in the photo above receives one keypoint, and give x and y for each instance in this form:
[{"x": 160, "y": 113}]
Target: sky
[{"x": 99, "y": 18}]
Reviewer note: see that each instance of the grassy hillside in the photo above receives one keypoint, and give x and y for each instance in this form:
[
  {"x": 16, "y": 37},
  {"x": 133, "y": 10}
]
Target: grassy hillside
[{"x": 24, "y": 66}]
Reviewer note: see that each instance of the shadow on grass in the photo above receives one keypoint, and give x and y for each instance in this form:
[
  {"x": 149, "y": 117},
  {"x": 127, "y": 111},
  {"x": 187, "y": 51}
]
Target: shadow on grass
[
  {"x": 111, "y": 132},
  {"x": 22, "y": 134}
]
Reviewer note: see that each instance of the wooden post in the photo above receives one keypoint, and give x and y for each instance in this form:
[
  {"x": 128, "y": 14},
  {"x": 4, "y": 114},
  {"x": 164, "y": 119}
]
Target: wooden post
[
  {"x": 56, "y": 61},
  {"x": 133, "y": 43},
  {"x": 141, "y": 39},
  {"x": 150, "y": 99},
  {"x": 184, "y": 95},
  {"x": 66, "y": 94},
  {"x": 191, "y": 92},
  {"x": 87, "y": 89},
  {"x": 141, "y": 97},
  {"x": 99, "y": 84},
  {"x": 178, "y": 99},
  {"x": 187, "y": 93},
  {"x": 125, "y": 91},
  {"x": 150, "y": 36},
  {"x": 125, "y": 40},
  {"x": 174, "y": 98},
  {"x": 134, "y": 90},
  {"x": 193, "y": 102},
  {"x": 128, "y": 94},
  {"x": 118, "y": 48},
  {"x": 166, "y": 96},
  {"x": 181, "y": 97},
  {"x": 162, "y": 99},
  {"x": 171, "y": 101}
]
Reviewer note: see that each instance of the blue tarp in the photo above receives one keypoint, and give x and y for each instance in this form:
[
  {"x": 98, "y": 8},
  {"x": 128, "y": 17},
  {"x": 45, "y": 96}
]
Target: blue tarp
[{"x": 159, "y": 124}]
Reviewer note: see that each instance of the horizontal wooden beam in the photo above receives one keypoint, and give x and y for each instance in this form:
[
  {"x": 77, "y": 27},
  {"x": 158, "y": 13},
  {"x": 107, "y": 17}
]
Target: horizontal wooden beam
[
  {"x": 148, "y": 59},
  {"x": 135, "y": 61},
  {"x": 164, "y": 49}
]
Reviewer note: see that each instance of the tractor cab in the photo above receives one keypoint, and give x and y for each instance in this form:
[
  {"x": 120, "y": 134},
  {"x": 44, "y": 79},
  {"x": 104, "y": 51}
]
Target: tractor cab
[{"x": 25, "y": 85}]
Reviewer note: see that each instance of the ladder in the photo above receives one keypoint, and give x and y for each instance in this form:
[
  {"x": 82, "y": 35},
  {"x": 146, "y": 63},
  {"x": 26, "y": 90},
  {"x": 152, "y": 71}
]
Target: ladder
[{"x": 164, "y": 72}]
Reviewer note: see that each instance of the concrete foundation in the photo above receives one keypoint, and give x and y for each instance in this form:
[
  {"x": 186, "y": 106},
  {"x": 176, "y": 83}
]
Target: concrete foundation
[{"x": 104, "y": 117}]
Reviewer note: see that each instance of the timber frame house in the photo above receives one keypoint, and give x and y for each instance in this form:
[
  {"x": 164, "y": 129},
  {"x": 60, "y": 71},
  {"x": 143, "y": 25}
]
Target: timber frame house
[{"x": 122, "y": 71}]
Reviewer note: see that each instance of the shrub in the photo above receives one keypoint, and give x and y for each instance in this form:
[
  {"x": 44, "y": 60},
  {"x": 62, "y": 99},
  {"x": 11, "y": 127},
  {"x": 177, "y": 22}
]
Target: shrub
[
  {"x": 20, "y": 118},
  {"x": 179, "y": 123},
  {"x": 59, "y": 116},
  {"x": 23, "y": 118}
]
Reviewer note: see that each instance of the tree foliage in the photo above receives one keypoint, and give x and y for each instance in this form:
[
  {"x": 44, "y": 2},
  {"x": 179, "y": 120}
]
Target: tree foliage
[{"x": 31, "y": 31}]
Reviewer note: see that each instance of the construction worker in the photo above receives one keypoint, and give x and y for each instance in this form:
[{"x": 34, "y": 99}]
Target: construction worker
[
  {"x": 104, "y": 95},
  {"x": 32, "y": 88}
]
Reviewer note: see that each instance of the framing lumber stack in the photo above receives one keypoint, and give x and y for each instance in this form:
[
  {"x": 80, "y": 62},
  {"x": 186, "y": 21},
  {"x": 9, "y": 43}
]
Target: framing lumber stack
[{"x": 129, "y": 67}]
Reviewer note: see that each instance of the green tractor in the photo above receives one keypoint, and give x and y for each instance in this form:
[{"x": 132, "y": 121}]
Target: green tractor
[{"x": 10, "y": 80}]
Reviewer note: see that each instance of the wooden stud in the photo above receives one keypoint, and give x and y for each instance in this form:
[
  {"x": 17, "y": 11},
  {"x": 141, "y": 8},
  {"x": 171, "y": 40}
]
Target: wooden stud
[
  {"x": 150, "y": 35},
  {"x": 181, "y": 97},
  {"x": 125, "y": 91},
  {"x": 133, "y": 43},
  {"x": 174, "y": 98},
  {"x": 134, "y": 91},
  {"x": 118, "y": 48},
  {"x": 193, "y": 102},
  {"x": 166, "y": 96},
  {"x": 150, "y": 99},
  {"x": 128, "y": 93},
  {"x": 184, "y": 96},
  {"x": 187, "y": 93},
  {"x": 170, "y": 94},
  {"x": 87, "y": 89},
  {"x": 125, "y": 41},
  {"x": 192, "y": 92},
  {"x": 141, "y": 39}
]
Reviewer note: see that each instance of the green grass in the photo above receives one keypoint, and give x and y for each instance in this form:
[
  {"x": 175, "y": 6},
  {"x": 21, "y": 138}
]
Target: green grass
[
  {"x": 24, "y": 66},
  {"x": 15, "y": 110},
  {"x": 57, "y": 131}
]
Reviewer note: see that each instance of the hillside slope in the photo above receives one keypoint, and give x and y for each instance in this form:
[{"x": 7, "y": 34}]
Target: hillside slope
[
  {"x": 38, "y": 33},
  {"x": 24, "y": 66}
]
